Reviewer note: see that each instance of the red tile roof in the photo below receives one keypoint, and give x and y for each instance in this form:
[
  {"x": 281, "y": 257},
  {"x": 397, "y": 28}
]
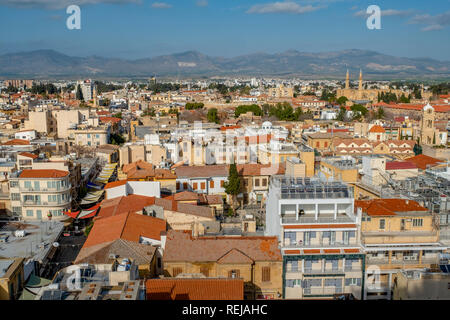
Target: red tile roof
[
  {"x": 17, "y": 142},
  {"x": 114, "y": 184},
  {"x": 195, "y": 289},
  {"x": 388, "y": 207},
  {"x": 377, "y": 129},
  {"x": 28, "y": 155},
  {"x": 43, "y": 173},
  {"x": 422, "y": 161},
  {"x": 125, "y": 204},
  {"x": 109, "y": 119},
  {"x": 400, "y": 165},
  {"x": 130, "y": 226},
  {"x": 181, "y": 246}
]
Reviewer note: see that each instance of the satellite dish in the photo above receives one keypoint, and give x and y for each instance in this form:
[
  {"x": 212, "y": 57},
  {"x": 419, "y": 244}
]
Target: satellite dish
[{"x": 56, "y": 244}]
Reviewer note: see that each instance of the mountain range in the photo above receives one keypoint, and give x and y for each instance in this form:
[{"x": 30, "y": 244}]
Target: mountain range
[{"x": 50, "y": 64}]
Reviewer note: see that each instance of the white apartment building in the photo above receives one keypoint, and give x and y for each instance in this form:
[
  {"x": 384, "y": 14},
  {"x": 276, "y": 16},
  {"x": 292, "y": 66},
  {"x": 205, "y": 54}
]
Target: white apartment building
[
  {"x": 37, "y": 194},
  {"x": 319, "y": 237}
]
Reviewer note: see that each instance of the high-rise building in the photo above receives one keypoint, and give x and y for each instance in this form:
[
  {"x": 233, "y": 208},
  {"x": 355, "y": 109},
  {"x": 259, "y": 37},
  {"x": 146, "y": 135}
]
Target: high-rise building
[{"x": 319, "y": 237}]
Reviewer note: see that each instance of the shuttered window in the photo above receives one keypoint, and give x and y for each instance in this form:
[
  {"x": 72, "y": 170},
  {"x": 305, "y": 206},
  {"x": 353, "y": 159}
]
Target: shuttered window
[
  {"x": 234, "y": 274},
  {"x": 177, "y": 271},
  {"x": 265, "y": 274},
  {"x": 204, "y": 271}
]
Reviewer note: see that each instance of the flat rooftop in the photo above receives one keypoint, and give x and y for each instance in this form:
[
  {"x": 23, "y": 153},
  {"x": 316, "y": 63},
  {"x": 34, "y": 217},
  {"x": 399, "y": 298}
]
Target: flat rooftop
[
  {"x": 36, "y": 243},
  {"x": 310, "y": 188}
]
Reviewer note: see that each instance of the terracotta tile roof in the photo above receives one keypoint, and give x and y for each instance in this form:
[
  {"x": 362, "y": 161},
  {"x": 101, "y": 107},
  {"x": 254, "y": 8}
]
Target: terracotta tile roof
[
  {"x": 100, "y": 253},
  {"x": 140, "y": 164},
  {"x": 400, "y": 165},
  {"x": 181, "y": 246},
  {"x": 186, "y": 196},
  {"x": 17, "y": 142},
  {"x": 125, "y": 204},
  {"x": 219, "y": 170},
  {"x": 109, "y": 119},
  {"x": 256, "y": 169},
  {"x": 422, "y": 161},
  {"x": 377, "y": 129},
  {"x": 235, "y": 256},
  {"x": 43, "y": 173},
  {"x": 29, "y": 155},
  {"x": 114, "y": 184},
  {"x": 130, "y": 227},
  {"x": 388, "y": 207},
  {"x": 195, "y": 289}
]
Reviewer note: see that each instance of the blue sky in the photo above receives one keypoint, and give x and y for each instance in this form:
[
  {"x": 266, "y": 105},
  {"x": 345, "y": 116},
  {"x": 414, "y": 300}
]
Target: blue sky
[{"x": 141, "y": 28}]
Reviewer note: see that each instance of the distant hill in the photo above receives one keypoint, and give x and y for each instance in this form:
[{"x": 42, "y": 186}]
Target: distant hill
[{"x": 52, "y": 64}]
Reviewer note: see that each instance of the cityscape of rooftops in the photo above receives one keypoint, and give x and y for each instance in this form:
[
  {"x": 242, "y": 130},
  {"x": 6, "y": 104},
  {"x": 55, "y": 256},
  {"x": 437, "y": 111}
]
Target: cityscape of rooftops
[{"x": 244, "y": 151}]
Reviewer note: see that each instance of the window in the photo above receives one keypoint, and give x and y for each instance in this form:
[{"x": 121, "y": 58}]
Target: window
[
  {"x": 382, "y": 224},
  {"x": 14, "y": 184},
  {"x": 203, "y": 185},
  {"x": 256, "y": 182},
  {"x": 185, "y": 185},
  {"x": 245, "y": 182},
  {"x": 222, "y": 183},
  {"x": 28, "y": 184},
  {"x": 264, "y": 182},
  {"x": 177, "y": 271},
  {"x": 211, "y": 184},
  {"x": 178, "y": 186},
  {"x": 194, "y": 186},
  {"x": 265, "y": 274},
  {"x": 15, "y": 196},
  {"x": 29, "y": 213},
  {"x": 234, "y": 274},
  {"x": 294, "y": 266},
  {"x": 417, "y": 222},
  {"x": 353, "y": 282},
  {"x": 204, "y": 271}
]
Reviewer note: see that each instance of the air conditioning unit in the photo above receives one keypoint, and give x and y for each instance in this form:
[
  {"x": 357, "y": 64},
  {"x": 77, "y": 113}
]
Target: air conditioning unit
[
  {"x": 413, "y": 258},
  {"x": 406, "y": 258}
]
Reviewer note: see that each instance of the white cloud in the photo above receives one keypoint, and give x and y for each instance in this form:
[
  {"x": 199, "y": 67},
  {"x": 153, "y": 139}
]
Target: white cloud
[
  {"x": 202, "y": 3},
  {"x": 161, "y": 5},
  {"x": 386, "y": 13},
  {"x": 282, "y": 7},
  {"x": 437, "y": 22},
  {"x": 60, "y": 4}
]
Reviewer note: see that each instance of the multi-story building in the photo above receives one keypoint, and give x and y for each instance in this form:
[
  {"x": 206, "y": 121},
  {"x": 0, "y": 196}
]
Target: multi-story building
[
  {"x": 276, "y": 152},
  {"x": 202, "y": 179},
  {"x": 319, "y": 235},
  {"x": 87, "y": 88},
  {"x": 256, "y": 260},
  {"x": 340, "y": 168},
  {"x": 39, "y": 194},
  {"x": 90, "y": 136},
  {"x": 396, "y": 234}
]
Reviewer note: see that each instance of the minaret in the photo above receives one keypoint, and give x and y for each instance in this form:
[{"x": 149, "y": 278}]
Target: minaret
[
  {"x": 95, "y": 96},
  {"x": 360, "y": 87},
  {"x": 347, "y": 80}
]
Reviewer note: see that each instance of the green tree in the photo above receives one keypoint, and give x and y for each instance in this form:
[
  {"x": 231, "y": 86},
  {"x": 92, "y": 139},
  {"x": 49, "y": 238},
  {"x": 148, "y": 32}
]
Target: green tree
[
  {"x": 380, "y": 113},
  {"x": 246, "y": 108},
  {"x": 213, "y": 115},
  {"x": 194, "y": 105},
  {"x": 342, "y": 100},
  {"x": 341, "y": 114},
  {"x": 117, "y": 139},
  {"x": 233, "y": 185},
  {"x": 79, "y": 94},
  {"x": 118, "y": 115}
]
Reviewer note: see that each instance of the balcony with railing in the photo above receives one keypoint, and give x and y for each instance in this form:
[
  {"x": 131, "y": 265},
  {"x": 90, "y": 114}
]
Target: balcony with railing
[
  {"x": 341, "y": 218},
  {"x": 325, "y": 291},
  {"x": 44, "y": 190}
]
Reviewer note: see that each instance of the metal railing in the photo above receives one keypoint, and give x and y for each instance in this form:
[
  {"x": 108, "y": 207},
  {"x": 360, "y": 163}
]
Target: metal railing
[{"x": 320, "y": 219}]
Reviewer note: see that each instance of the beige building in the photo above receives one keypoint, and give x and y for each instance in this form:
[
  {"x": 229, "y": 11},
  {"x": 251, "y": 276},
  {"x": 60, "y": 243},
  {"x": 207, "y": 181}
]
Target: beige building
[
  {"x": 90, "y": 136},
  {"x": 419, "y": 285},
  {"x": 281, "y": 92},
  {"x": 396, "y": 234},
  {"x": 154, "y": 154},
  {"x": 40, "y": 194},
  {"x": 11, "y": 278},
  {"x": 256, "y": 260}
]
